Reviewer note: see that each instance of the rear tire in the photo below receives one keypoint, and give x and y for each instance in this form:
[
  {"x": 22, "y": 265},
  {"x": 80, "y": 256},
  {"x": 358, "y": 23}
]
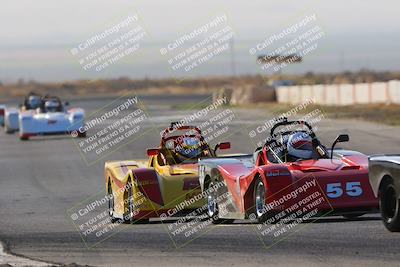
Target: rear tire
[
  {"x": 390, "y": 206},
  {"x": 212, "y": 207}
]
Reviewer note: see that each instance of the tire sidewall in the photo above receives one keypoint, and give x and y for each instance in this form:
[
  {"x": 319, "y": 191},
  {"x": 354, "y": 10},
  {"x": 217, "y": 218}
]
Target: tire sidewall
[
  {"x": 260, "y": 218},
  {"x": 215, "y": 216},
  {"x": 391, "y": 223}
]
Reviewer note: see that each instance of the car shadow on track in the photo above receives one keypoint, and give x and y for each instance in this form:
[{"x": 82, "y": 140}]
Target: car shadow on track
[
  {"x": 339, "y": 219},
  {"x": 335, "y": 219},
  {"x": 50, "y": 138}
]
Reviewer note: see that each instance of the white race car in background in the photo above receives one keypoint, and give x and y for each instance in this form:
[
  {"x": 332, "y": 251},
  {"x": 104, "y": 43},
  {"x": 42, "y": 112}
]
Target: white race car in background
[
  {"x": 11, "y": 123},
  {"x": 51, "y": 118},
  {"x": 11, "y": 114}
]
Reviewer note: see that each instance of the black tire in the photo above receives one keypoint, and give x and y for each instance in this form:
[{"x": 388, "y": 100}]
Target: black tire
[
  {"x": 390, "y": 206},
  {"x": 260, "y": 214},
  {"x": 212, "y": 207},
  {"x": 259, "y": 201},
  {"x": 111, "y": 204},
  {"x": 128, "y": 218},
  {"x": 8, "y": 130},
  {"x": 23, "y": 138},
  {"x": 81, "y": 135}
]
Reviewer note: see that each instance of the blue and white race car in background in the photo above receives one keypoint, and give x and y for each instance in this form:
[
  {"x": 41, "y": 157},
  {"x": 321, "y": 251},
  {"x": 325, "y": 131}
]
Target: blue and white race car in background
[
  {"x": 11, "y": 114},
  {"x": 51, "y": 118}
]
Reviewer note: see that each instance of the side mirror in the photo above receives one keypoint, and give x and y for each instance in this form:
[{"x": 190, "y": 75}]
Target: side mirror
[
  {"x": 340, "y": 139},
  {"x": 152, "y": 151},
  {"x": 224, "y": 145},
  {"x": 66, "y": 103}
]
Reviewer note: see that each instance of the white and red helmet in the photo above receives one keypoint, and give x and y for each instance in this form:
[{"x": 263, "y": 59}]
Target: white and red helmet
[{"x": 299, "y": 145}]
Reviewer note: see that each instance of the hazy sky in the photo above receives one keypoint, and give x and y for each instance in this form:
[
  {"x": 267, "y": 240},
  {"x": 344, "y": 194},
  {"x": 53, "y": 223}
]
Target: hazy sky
[{"x": 369, "y": 27}]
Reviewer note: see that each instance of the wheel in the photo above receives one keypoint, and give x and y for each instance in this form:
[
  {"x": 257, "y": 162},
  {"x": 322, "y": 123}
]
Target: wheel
[
  {"x": 23, "y": 138},
  {"x": 81, "y": 135},
  {"x": 352, "y": 216},
  {"x": 110, "y": 197},
  {"x": 8, "y": 130},
  {"x": 260, "y": 197},
  {"x": 259, "y": 200},
  {"x": 389, "y": 206},
  {"x": 212, "y": 206},
  {"x": 129, "y": 218}
]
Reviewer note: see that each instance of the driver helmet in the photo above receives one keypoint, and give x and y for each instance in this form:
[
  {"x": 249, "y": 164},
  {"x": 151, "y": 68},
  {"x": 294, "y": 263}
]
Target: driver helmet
[
  {"x": 189, "y": 148},
  {"x": 34, "y": 101},
  {"x": 51, "y": 106},
  {"x": 299, "y": 145}
]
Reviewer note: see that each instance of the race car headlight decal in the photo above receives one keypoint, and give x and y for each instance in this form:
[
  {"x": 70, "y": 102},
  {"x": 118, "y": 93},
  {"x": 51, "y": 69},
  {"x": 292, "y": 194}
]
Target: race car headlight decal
[{"x": 274, "y": 173}]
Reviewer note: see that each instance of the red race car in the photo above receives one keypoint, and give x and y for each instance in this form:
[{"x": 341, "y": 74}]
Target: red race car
[{"x": 291, "y": 172}]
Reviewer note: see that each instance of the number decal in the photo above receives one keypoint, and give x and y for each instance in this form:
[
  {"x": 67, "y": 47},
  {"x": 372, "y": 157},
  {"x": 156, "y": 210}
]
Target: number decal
[
  {"x": 334, "y": 190},
  {"x": 353, "y": 189}
]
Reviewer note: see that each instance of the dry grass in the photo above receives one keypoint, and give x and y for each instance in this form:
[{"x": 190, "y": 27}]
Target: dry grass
[
  {"x": 82, "y": 88},
  {"x": 381, "y": 113}
]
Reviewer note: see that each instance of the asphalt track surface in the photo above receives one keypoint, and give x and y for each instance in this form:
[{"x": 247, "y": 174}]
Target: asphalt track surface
[{"x": 44, "y": 177}]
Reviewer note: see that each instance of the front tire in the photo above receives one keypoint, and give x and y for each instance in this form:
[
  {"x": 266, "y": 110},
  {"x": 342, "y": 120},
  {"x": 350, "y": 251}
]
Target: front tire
[
  {"x": 259, "y": 200},
  {"x": 23, "y": 138},
  {"x": 8, "y": 130},
  {"x": 111, "y": 204},
  {"x": 212, "y": 206},
  {"x": 81, "y": 135},
  {"x": 389, "y": 204},
  {"x": 129, "y": 217}
]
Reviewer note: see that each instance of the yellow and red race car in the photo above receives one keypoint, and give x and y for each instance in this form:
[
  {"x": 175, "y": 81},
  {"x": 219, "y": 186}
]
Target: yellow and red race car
[{"x": 167, "y": 183}]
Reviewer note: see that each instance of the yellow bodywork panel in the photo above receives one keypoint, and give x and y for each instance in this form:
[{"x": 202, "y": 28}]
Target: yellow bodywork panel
[{"x": 178, "y": 185}]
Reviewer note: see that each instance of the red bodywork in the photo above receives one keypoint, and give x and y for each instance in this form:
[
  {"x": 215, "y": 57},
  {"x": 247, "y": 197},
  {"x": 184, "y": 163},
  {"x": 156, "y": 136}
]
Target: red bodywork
[
  {"x": 281, "y": 178},
  {"x": 341, "y": 182}
]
